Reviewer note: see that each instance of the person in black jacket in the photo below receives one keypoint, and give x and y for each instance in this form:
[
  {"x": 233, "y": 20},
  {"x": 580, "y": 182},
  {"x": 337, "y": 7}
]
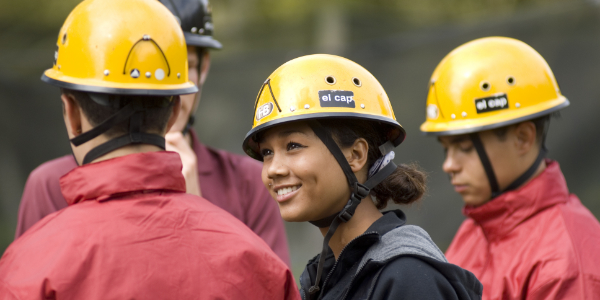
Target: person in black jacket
[{"x": 325, "y": 130}]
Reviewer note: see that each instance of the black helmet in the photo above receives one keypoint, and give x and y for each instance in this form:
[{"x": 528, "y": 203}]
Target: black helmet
[{"x": 196, "y": 21}]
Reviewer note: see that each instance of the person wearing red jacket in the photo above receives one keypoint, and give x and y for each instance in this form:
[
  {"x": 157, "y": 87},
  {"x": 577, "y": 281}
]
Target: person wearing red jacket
[
  {"x": 130, "y": 230},
  {"x": 229, "y": 181},
  {"x": 525, "y": 236}
]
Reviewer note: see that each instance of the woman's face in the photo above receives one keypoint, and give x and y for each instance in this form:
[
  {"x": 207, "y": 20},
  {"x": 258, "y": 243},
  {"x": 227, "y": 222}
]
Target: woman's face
[{"x": 301, "y": 173}]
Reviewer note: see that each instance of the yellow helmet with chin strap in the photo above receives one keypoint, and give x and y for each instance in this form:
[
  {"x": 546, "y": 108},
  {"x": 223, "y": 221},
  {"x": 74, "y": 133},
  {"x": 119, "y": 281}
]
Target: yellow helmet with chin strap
[
  {"x": 133, "y": 47},
  {"x": 317, "y": 87},
  {"x": 117, "y": 52},
  {"x": 489, "y": 83},
  {"x": 321, "y": 86}
]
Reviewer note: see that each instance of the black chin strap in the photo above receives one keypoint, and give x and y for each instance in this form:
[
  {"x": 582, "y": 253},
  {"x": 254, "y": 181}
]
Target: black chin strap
[
  {"x": 359, "y": 192},
  {"x": 189, "y": 125},
  {"x": 132, "y": 111},
  {"x": 489, "y": 170},
  {"x": 485, "y": 161}
]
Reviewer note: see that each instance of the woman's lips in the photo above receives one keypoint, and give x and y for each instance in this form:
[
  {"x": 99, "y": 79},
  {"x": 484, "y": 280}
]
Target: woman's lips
[
  {"x": 460, "y": 188},
  {"x": 288, "y": 194}
]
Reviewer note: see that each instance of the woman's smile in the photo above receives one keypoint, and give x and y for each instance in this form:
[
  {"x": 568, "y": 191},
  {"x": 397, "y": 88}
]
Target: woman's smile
[
  {"x": 285, "y": 193},
  {"x": 301, "y": 174}
]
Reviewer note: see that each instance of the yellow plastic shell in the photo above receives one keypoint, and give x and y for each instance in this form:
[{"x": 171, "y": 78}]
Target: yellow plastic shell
[
  {"x": 498, "y": 69},
  {"x": 133, "y": 47},
  {"x": 291, "y": 93}
]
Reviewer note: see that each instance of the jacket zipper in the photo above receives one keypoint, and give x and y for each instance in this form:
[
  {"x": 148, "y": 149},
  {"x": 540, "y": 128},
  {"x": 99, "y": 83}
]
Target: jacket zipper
[{"x": 336, "y": 262}]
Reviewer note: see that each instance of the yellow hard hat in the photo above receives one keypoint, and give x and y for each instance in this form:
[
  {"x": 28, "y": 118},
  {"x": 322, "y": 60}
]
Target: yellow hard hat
[
  {"x": 489, "y": 83},
  {"x": 133, "y": 47},
  {"x": 316, "y": 87},
  {"x": 321, "y": 86}
]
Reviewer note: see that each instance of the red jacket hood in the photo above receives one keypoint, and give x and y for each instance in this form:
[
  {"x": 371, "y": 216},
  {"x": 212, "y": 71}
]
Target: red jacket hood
[
  {"x": 148, "y": 171},
  {"x": 503, "y": 213}
]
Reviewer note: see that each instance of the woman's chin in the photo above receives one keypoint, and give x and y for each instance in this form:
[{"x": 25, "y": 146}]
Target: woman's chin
[{"x": 292, "y": 215}]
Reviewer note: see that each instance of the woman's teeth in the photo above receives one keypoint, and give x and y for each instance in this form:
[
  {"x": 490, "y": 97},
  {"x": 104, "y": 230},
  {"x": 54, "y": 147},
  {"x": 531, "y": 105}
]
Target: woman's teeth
[{"x": 287, "y": 190}]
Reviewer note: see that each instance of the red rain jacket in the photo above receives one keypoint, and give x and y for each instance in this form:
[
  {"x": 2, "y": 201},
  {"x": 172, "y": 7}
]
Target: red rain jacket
[
  {"x": 538, "y": 242},
  {"x": 229, "y": 181},
  {"x": 131, "y": 232}
]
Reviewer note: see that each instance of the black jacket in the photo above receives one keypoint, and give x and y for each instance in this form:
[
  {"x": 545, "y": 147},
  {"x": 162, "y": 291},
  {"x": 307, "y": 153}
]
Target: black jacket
[{"x": 390, "y": 261}]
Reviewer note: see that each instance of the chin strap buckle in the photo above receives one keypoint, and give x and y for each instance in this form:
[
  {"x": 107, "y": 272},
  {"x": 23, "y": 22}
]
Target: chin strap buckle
[
  {"x": 361, "y": 191},
  {"x": 345, "y": 215}
]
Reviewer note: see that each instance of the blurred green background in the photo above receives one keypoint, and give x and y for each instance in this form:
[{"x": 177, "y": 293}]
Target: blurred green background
[{"x": 400, "y": 42}]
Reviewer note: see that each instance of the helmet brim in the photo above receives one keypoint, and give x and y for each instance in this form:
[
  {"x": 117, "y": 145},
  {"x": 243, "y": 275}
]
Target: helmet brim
[
  {"x": 189, "y": 88},
  {"x": 396, "y": 134},
  {"x": 204, "y": 41},
  {"x": 428, "y": 128}
]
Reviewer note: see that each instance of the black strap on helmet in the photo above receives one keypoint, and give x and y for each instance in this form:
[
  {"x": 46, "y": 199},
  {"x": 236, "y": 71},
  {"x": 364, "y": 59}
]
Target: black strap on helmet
[
  {"x": 485, "y": 161},
  {"x": 489, "y": 170},
  {"x": 132, "y": 111},
  {"x": 189, "y": 124},
  {"x": 359, "y": 192}
]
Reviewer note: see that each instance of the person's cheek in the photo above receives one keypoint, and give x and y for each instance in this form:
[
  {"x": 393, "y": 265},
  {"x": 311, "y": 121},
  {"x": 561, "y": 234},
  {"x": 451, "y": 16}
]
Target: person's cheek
[{"x": 193, "y": 75}]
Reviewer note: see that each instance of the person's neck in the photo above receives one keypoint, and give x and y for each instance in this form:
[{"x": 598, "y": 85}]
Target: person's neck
[
  {"x": 81, "y": 151},
  {"x": 188, "y": 138},
  {"x": 365, "y": 215},
  {"x": 126, "y": 150},
  {"x": 537, "y": 172}
]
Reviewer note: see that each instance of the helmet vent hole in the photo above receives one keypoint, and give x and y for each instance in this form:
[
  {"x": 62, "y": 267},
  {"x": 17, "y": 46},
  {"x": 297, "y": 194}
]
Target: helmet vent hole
[
  {"x": 510, "y": 80},
  {"x": 356, "y": 81},
  {"x": 330, "y": 79},
  {"x": 485, "y": 86},
  {"x": 64, "y": 38}
]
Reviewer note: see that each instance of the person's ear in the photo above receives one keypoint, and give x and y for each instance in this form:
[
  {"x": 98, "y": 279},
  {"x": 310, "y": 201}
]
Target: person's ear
[
  {"x": 205, "y": 66},
  {"x": 175, "y": 109},
  {"x": 72, "y": 115},
  {"x": 357, "y": 154},
  {"x": 525, "y": 133}
]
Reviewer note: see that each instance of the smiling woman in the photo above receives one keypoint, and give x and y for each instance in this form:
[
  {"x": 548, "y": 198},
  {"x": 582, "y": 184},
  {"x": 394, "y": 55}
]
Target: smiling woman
[{"x": 321, "y": 158}]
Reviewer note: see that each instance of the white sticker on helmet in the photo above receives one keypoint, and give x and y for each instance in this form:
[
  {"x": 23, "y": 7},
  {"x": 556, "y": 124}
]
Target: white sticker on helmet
[
  {"x": 159, "y": 74},
  {"x": 264, "y": 110},
  {"x": 432, "y": 111}
]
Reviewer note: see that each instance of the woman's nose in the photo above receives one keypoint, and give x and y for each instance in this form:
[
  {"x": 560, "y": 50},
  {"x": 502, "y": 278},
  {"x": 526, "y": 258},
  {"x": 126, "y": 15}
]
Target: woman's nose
[{"x": 276, "y": 167}]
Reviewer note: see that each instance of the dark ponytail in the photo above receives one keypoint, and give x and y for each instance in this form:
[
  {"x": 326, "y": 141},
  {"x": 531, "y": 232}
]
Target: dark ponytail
[{"x": 406, "y": 185}]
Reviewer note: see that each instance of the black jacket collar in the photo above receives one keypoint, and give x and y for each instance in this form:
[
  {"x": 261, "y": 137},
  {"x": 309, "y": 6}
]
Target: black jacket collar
[
  {"x": 351, "y": 254},
  {"x": 390, "y": 220}
]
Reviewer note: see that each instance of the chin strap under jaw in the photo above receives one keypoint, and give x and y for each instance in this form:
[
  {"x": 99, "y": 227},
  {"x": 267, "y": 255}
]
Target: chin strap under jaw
[
  {"x": 359, "y": 192},
  {"x": 188, "y": 125},
  {"x": 489, "y": 170}
]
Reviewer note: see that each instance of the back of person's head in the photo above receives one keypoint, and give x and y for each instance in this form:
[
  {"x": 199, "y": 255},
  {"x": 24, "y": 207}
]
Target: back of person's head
[
  {"x": 122, "y": 61},
  {"x": 156, "y": 110}
]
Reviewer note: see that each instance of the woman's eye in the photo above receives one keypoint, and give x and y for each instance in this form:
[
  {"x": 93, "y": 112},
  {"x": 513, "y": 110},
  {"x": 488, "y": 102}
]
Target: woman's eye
[
  {"x": 466, "y": 148},
  {"x": 265, "y": 152},
  {"x": 292, "y": 146}
]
